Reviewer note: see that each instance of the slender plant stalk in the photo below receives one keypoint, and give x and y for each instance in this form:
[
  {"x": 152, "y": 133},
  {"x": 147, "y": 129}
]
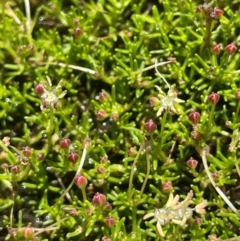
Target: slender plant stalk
[
  {"x": 211, "y": 116},
  {"x": 28, "y": 16},
  {"x": 87, "y": 70},
  {"x": 84, "y": 153},
  {"x": 134, "y": 218},
  {"x": 132, "y": 172},
  {"x": 219, "y": 191},
  {"x": 163, "y": 121},
  {"x": 147, "y": 175},
  {"x": 63, "y": 187}
]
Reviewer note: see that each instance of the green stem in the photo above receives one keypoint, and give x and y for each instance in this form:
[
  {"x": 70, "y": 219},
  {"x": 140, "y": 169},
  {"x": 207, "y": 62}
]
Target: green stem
[
  {"x": 163, "y": 121},
  {"x": 237, "y": 112},
  {"x": 210, "y": 124},
  {"x": 147, "y": 175},
  {"x": 134, "y": 221},
  {"x": 50, "y": 129},
  {"x": 77, "y": 172},
  {"x": 3, "y": 23},
  {"x": 83, "y": 190},
  {"x": 132, "y": 172}
]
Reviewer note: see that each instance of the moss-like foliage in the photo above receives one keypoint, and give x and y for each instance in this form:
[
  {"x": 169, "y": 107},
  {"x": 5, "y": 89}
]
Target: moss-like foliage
[{"x": 115, "y": 111}]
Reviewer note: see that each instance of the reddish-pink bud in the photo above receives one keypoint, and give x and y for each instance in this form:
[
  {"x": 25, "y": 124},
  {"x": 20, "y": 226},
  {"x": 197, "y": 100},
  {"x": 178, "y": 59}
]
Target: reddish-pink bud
[
  {"x": 167, "y": 186},
  {"x": 150, "y": 126},
  {"x": 103, "y": 96},
  {"x": 105, "y": 239},
  {"x": 154, "y": 101},
  {"x": 80, "y": 181},
  {"x": 115, "y": 116},
  {"x": 30, "y": 47},
  {"x": 15, "y": 169},
  {"x": 196, "y": 135},
  {"x": 73, "y": 157},
  {"x": 78, "y": 31},
  {"x": 26, "y": 151},
  {"x": 199, "y": 8},
  {"x": 39, "y": 89},
  {"x": 215, "y": 175},
  {"x": 101, "y": 114},
  {"x": 99, "y": 199},
  {"x": 103, "y": 159},
  {"x": 65, "y": 143},
  {"x": 216, "y": 48},
  {"x": 231, "y": 48},
  {"x": 40, "y": 156},
  {"x": 110, "y": 222},
  {"x": 197, "y": 221},
  {"x": 214, "y": 98},
  {"x": 100, "y": 170},
  {"x": 107, "y": 207},
  {"x": 237, "y": 94},
  {"x": 132, "y": 151},
  {"x": 27, "y": 232},
  {"x": 194, "y": 117},
  {"x": 217, "y": 12},
  {"x": 192, "y": 163}
]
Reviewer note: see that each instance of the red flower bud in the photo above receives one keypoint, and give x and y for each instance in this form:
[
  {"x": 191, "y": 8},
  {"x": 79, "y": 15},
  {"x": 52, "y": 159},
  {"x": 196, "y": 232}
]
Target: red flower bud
[
  {"x": 99, "y": 199},
  {"x": 214, "y": 98},
  {"x": 107, "y": 207},
  {"x": 101, "y": 114},
  {"x": 216, "y": 48},
  {"x": 110, "y": 222},
  {"x": 73, "y": 157},
  {"x": 231, "y": 48},
  {"x": 237, "y": 94},
  {"x": 197, "y": 221},
  {"x": 27, "y": 232},
  {"x": 26, "y": 151},
  {"x": 39, "y": 89},
  {"x": 132, "y": 151},
  {"x": 217, "y": 12},
  {"x": 196, "y": 135},
  {"x": 65, "y": 143},
  {"x": 192, "y": 163},
  {"x": 78, "y": 31},
  {"x": 115, "y": 116},
  {"x": 194, "y": 117},
  {"x": 100, "y": 170},
  {"x": 80, "y": 181},
  {"x": 215, "y": 175},
  {"x": 30, "y": 47},
  {"x": 103, "y": 159},
  {"x": 167, "y": 186},
  {"x": 103, "y": 96},
  {"x": 150, "y": 126},
  {"x": 15, "y": 169},
  {"x": 154, "y": 101},
  {"x": 105, "y": 239}
]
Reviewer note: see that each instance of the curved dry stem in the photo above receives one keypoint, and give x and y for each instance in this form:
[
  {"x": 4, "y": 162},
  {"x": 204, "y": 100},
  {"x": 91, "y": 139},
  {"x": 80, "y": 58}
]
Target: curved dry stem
[
  {"x": 77, "y": 173},
  {"x": 219, "y": 191}
]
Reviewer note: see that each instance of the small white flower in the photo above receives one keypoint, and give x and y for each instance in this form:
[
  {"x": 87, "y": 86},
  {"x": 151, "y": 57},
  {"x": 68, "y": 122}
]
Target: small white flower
[
  {"x": 51, "y": 97},
  {"x": 168, "y": 101}
]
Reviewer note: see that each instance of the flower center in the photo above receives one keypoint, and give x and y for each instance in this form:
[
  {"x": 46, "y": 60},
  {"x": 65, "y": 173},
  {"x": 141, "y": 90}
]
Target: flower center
[{"x": 167, "y": 102}]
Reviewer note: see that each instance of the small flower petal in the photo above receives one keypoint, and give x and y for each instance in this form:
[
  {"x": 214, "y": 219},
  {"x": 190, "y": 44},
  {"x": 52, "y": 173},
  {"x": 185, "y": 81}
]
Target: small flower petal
[
  {"x": 159, "y": 230},
  {"x": 148, "y": 215}
]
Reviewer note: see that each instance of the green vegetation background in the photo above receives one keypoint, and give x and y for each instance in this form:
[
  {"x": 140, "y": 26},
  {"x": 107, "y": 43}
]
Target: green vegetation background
[{"x": 116, "y": 40}]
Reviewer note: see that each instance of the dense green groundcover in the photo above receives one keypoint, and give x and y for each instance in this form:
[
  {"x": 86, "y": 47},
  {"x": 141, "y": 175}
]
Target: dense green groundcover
[{"x": 119, "y": 120}]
